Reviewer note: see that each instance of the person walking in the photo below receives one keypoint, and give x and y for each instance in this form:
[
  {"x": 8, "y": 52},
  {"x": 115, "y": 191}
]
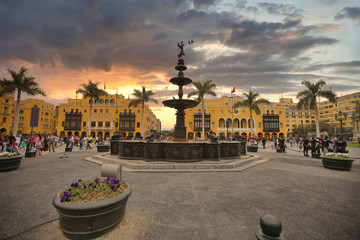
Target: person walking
[
  {"x": 71, "y": 140},
  {"x": 2, "y": 143},
  {"x": 263, "y": 142},
  {"x": 88, "y": 142},
  {"x": 81, "y": 142},
  {"x": 306, "y": 147},
  {"x": 51, "y": 142},
  {"x": 313, "y": 146}
]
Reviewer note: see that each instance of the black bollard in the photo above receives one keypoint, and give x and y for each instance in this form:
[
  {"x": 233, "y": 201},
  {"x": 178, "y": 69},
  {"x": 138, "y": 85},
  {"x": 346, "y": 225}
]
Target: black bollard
[{"x": 271, "y": 228}]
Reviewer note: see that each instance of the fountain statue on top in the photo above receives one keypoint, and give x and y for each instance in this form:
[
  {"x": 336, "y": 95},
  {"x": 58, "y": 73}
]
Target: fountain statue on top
[
  {"x": 178, "y": 150},
  {"x": 181, "y": 104}
]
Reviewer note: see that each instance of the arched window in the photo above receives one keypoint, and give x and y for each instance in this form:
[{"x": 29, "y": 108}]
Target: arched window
[
  {"x": 101, "y": 101},
  {"x": 221, "y": 123},
  {"x": 107, "y": 101},
  {"x": 112, "y": 101}
]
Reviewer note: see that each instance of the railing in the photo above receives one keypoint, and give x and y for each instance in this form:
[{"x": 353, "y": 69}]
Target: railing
[{"x": 235, "y": 129}]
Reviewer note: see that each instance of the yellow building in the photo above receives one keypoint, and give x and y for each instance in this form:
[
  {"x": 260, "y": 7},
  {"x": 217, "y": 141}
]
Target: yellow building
[
  {"x": 294, "y": 117},
  {"x": 330, "y": 112},
  {"x": 34, "y": 109},
  {"x": 274, "y": 120},
  {"x": 7, "y": 102},
  {"x": 224, "y": 121},
  {"x": 110, "y": 114}
]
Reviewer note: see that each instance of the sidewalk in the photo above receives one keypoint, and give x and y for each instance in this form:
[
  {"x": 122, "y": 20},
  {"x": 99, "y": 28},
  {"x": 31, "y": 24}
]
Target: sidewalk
[{"x": 311, "y": 201}]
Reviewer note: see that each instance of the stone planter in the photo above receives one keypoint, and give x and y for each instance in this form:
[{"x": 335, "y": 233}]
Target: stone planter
[
  {"x": 68, "y": 149},
  {"x": 30, "y": 154},
  {"x": 252, "y": 148},
  {"x": 335, "y": 163},
  {"x": 91, "y": 219},
  {"x": 10, "y": 163},
  {"x": 103, "y": 148}
]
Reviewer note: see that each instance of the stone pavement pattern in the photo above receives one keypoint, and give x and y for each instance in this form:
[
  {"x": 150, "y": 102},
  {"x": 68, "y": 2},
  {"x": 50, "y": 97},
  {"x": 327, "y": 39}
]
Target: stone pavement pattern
[{"x": 312, "y": 202}]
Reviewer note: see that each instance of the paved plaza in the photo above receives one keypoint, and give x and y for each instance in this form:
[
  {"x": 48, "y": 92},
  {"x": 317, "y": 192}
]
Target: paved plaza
[{"x": 311, "y": 201}]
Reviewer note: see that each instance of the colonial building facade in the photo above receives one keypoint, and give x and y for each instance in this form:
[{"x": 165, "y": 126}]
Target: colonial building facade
[
  {"x": 109, "y": 114},
  {"x": 35, "y": 116},
  {"x": 7, "y": 103},
  {"x": 274, "y": 120},
  {"x": 343, "y": 109}
]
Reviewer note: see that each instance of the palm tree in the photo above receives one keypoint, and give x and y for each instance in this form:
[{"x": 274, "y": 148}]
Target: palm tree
[
  {"x": 307, "y": 98},
  {"x": 201, "y": 90},
  {"x": 20, "y": 83},
  {"x": 91, "y": 91},
  {"x": 252, "y": 103},
  {"x": 142, "y": 97}
]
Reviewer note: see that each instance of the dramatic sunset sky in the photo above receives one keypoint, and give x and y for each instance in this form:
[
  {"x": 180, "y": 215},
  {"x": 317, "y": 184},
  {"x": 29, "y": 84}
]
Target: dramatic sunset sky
[{"x": 268, "y": 47}]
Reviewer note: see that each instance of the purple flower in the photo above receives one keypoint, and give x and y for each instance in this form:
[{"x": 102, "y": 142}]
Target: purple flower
[
  {"x": 69, "y": 189},
  {"x": 84, "y": 186},
  {"x": 79, "y": 180},
  {"x": 112, "y": 187}
]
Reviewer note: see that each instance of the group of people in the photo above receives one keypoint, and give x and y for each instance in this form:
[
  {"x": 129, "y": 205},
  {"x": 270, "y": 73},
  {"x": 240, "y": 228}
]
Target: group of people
[
  {"x": 40, "y": 143},
  {"x": 315, "y": 145}
]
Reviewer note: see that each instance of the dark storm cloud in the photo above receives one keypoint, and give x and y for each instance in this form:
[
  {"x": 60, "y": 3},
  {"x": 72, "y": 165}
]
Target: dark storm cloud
[
  {"x": 280, "y": 9},
  {"x": 141, "y": 35},
  {"x": 349, "y": 12},
  {"x": 81, "y": 34},
  {"x": 202, "y": 3},
  {"x": 352, "y": 67},
  {"x": 289, "y": 38}
]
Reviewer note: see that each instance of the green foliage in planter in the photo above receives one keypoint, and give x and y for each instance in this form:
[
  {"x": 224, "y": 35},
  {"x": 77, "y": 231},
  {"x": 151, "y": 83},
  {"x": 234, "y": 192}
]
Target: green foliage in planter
[
  {"x": 93, "y": 190},
  {"x": 337, "y": 155},
  {"x": 352, "y": 144},
  {"x": 7, "y": 154}
]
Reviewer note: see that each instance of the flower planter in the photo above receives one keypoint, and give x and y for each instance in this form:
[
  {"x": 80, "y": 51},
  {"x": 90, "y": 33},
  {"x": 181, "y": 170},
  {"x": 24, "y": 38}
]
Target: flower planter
[
  {"x": 252, "y": 148},
  {"x": 30, "y": 154},
  {"x": 90, "y": 219},
  {"x": 10, "y": 163},
  {"x": 68, "y": 149},
  {"x": 336, "y": 163},
  {"x": 103, "y": 148}
]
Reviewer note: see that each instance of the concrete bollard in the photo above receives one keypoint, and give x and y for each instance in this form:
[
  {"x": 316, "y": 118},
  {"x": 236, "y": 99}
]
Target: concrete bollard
[
  {"x": 271, "y": 228},
  {"x": 111, "y": 170}
]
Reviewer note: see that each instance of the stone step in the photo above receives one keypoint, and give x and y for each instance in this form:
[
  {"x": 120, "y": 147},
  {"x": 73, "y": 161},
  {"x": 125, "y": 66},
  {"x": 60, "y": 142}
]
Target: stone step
[{"x": 205, "y": 166}]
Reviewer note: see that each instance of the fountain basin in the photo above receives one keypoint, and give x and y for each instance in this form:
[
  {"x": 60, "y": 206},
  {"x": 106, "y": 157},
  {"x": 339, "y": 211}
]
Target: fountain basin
[
  {"x": 180, "y": 103},
  {"x": 177, "y": 151}
]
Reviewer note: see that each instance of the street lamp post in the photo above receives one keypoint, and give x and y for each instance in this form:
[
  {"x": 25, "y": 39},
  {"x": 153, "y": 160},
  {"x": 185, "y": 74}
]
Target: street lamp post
[{"x": 341, "y": 116}]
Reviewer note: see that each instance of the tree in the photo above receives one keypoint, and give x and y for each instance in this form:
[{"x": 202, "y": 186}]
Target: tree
[
  {"x": 307, "y": 98},
  {"x": 252, "y": 103},
  {"x": 303, "y": 130},
  {"x": 92, "y": 91},
  {"x": 142, "y": 97},
  {"x": 201, "y": 90},
  {"x": 20, "y": 83}
]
